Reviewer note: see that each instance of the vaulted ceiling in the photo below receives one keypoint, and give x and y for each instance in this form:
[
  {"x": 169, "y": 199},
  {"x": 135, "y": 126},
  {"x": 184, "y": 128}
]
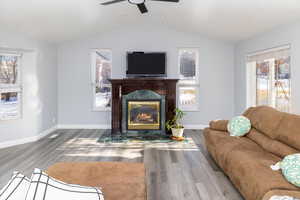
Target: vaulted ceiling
[{"x": 60, "y": 20}]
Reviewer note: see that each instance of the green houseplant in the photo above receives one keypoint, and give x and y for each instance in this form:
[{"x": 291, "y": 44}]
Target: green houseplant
[{"x": 175, "y": 124}]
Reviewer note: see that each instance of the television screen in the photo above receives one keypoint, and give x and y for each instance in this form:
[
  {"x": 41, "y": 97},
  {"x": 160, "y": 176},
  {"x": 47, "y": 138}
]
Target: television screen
[{"x": 146, "y": 64}]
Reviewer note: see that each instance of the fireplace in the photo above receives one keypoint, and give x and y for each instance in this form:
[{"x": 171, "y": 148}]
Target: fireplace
[
  {"x": 161, "y": 89},
  {"x": 143, "y": 115},
  {"x": 143, "y": 112}
]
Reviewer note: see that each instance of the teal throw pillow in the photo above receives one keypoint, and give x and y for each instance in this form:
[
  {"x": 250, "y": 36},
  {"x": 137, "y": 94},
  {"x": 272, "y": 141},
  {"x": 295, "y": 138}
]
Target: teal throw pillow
[
  {"x": 290, "y": 168},
  {"x": 239, "y": 126}
]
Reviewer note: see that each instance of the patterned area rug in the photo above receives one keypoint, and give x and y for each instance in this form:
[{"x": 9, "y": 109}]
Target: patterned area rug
[{"x": 107, "y": 137}]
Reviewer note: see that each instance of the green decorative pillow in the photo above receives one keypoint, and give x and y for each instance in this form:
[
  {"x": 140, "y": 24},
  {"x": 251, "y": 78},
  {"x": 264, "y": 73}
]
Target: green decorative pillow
[
  {"x": 239, "y": 126},
  {"x": 290, "y": 168}
]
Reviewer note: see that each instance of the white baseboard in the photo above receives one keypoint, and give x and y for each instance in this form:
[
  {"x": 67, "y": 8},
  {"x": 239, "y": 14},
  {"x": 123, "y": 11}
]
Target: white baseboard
[
  {"x": 28, "y": 139},
  {"x": 193, "y": 126},
  {"x": 83, "y": 126},
  {"x": 108, "y": 126}
]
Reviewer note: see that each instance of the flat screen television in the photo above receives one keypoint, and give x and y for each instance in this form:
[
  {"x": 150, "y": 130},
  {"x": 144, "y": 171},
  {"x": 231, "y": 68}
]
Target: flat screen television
[{"x": 146, "y": 64}]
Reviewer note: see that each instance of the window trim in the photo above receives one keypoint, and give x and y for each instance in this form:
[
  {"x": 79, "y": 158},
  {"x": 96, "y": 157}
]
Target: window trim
[
  {"x": 196, "y": 84},
  {"x": 20, "y": 103},
  {"x": 251, "y": 98},
  {"x": 19, "y": 75},
  {"x": 93, "y": 78},
  {"x": 197, "y": 79},
  {"x": 194, "y": 108},
  {"x": 18, "y": 87}
]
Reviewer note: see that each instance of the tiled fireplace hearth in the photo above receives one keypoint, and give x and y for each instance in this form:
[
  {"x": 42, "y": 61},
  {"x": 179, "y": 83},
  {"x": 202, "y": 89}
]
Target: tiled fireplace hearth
[
  {"x": 142, "y": 105},
  {"x": 143, "y": 111}
]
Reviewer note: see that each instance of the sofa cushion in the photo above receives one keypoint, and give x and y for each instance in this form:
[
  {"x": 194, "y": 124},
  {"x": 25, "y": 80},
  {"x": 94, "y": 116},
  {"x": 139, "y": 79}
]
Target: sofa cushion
[
  {"x": 220, "y": 145},
  {"x": 220, "y": 125},
  {"x": 249, "y": 170},
  {"x": 273, "y": 146},
  {"x": 249, "y": 111},
  {"x": 265, "y": 119},
  {"x": 278, "y": 125},
  {"x": 289, "y": 130}
]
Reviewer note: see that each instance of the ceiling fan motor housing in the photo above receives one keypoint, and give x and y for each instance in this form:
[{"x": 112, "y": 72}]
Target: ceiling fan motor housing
[
  {"x": 139, "y": 3},
  {"x": 136, "y": 2}
]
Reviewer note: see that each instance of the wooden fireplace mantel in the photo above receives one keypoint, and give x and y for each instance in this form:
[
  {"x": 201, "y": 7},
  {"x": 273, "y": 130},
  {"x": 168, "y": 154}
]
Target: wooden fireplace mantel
[{"x": 162, "y": 86}]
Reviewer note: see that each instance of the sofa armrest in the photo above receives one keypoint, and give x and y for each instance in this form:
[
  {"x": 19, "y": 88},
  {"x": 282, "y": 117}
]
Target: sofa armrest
[
  {"x": 220, "y": 125},
  {"x": 275, "y": 194}
]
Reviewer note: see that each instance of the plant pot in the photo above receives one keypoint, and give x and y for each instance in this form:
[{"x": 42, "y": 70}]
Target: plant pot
[{"x": 177, "y": 132}]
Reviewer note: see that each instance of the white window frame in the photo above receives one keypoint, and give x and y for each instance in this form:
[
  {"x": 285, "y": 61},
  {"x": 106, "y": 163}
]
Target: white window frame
[
  {"x": 251, "y": 87},
  {"x": 183, "y": 82},
  {"x": 93, "y": 78},
  {"x": 251, "y": 93},
  {"x": 18, "y": 87},
  {"x": 197, "y": 63},
  {"x": 193, "y": 108},
  {"x": 251, "y": 84}
]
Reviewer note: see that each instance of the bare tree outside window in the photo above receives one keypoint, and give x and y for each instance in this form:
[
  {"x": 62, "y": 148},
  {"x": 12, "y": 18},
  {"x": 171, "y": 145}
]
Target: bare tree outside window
[
  {"x": 188, "y": 61},
  {"x": 271, "y": 83},
  {"x": 8, "y": 69},
  {"x": 188, "y": 86},
  {"x": 10, "y": 88},
  {"x": 102, "y": 65},
  {"x": 262, "y": 83},
  {"x": 9, "y": 105}
]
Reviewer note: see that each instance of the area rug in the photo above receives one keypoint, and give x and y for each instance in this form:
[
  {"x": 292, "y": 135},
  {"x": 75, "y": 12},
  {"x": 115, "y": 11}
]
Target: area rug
[
  {"x": 118, "y": 180},
  {"x": 107, "y": 137}
]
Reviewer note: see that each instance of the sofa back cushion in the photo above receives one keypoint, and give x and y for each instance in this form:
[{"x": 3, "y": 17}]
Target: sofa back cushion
[
  {"x": 273, "y": 146},
  {"x": 288, "y": 131},
  {"x": 280, "y": 126},
  {"x": 265, "y": 119}
]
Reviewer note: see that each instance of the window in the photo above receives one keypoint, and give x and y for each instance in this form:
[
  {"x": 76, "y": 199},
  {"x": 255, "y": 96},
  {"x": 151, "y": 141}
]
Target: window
[
  {"x": 269, "y": 78},
  {"x": 188, "y": 86},
  {"x": 101, "y": 72},
  {"x": 10, "y": 87}
]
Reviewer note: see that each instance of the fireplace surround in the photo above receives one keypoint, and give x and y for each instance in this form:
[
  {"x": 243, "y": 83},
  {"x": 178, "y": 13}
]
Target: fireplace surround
[
  {"x": 164, "y": 87},
  {"x": 143, "y": 111}
]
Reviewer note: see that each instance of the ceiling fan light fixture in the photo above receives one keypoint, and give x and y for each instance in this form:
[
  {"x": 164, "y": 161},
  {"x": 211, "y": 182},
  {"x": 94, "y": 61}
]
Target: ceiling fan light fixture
[{"x": 136, "y": 2}]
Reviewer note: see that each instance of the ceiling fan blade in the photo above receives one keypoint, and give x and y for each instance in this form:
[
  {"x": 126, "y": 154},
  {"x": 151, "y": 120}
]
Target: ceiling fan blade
[
  {"x": 112, "y": 2},
  {"x": 142, "y": 7},
  {"x": 175, "y": 1}
]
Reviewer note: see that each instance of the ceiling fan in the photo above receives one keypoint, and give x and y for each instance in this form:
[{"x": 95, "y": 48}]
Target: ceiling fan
[{"x": 139, "y": 3}]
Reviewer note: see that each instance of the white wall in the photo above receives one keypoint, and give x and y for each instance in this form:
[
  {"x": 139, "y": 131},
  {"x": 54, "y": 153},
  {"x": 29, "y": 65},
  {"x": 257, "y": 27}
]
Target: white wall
[
  {"x": 288, "y": 34},
  {"x": 74, "y": 82},
  {"x": 39, "y": 74},
  {"x": 222, "y": 74}
]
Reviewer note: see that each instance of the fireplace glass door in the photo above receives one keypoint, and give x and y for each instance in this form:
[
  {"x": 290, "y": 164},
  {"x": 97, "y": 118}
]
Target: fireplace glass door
[{"x": 143, "y": 115}]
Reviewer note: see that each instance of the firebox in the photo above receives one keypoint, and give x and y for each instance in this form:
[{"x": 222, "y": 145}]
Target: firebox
[
  {"x": 143, "y": 115},
  {"x": 143, "y": 112}
]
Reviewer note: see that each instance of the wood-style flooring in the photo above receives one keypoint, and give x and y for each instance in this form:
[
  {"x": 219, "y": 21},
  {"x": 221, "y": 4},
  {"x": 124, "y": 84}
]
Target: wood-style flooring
[{"x": 175, "y": 171}]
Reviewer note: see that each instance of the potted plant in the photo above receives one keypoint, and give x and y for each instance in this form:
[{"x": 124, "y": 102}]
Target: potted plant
[{"x": 175, "y": 123}]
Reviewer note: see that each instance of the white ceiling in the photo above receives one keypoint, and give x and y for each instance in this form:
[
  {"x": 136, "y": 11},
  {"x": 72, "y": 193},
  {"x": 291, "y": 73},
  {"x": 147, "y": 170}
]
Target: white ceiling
[{"x": 60, "y": 20}]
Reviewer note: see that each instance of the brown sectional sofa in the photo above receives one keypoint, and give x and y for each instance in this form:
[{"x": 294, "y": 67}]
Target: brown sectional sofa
[{"x": 246, "y": 160}]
